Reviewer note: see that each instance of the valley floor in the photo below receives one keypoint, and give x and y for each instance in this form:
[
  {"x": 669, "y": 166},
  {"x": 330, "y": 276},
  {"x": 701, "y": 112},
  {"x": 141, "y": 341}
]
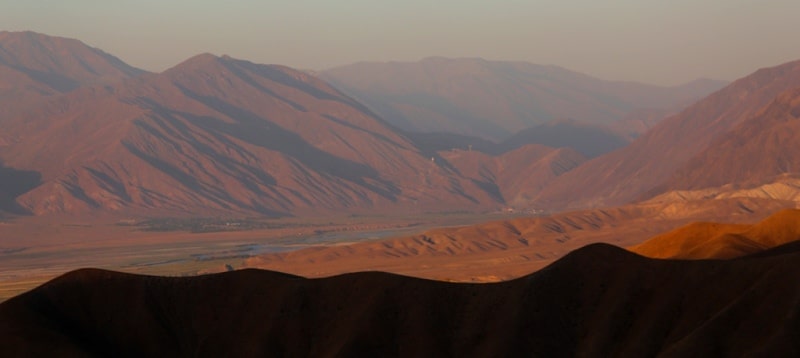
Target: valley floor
[
  {"x": 460, "y": 247},
  {"x": 34, "y": 250}
]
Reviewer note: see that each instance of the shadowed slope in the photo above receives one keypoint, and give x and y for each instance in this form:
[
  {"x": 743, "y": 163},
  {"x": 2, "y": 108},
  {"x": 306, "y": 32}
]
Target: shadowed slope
[
  {"x": 597, "y": 301},
  {"x": 34, "y": 67},
  {"x": 216, "y": 134},
  {"x": 591, "y": 140},
  {"x": 723, "y": 241},
  {"x": 753, "y": 153}
]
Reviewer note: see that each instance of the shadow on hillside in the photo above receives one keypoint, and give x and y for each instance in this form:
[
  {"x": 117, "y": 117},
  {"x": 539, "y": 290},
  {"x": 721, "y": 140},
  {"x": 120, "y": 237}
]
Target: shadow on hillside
[
  {"x": 167, "y": 128},
  {"x": 253, "y": 129},
  {"x": 13, "y": 183},
  {"x": 55, "y": 81}
]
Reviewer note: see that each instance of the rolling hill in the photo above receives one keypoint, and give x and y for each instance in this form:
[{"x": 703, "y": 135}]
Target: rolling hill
[
  {"x": 512, "y": 247},
  {"x": 597, "y": 301},
  {"x": 704, "y": 240}
]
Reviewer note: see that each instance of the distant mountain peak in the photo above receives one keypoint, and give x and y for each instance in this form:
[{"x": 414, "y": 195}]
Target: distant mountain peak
[
  {"x": 197, "y": 61},
  {"x": 62, "y": 64}
]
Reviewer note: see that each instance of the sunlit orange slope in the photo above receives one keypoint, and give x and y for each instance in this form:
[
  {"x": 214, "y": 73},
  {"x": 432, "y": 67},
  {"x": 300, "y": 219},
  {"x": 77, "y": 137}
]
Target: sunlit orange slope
[{"x": 723, "y": 241}]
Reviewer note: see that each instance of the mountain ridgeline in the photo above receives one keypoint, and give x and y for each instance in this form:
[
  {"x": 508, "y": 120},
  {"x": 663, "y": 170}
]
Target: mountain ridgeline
[
  {"x": 597, "y": 301},
  {"x": 83, "y": 132},
  {"x": 496, "y": 99},
  {"x": 219, "y": 134}
]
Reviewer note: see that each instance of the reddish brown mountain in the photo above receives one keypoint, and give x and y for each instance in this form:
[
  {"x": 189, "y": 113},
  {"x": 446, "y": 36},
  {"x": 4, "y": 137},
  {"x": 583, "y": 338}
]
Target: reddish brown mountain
[
  {"x": 34, "y": 65},
  {"x": 723, "y": 241},
  {"x": 218, "y": 134},
  {"x": 629, "y": 173},
  {"x": 598, "y": 301},
  {"x": 754, "y": 153},
  {"x": 492, "y": 99}
]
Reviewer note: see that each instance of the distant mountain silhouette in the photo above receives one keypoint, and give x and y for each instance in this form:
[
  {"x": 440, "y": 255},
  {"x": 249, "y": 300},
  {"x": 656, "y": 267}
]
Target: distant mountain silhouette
[
  {"x": 493, "y": 99},
  {"x": 591, "y": 140},
  {"x": 597, "y": 301}
]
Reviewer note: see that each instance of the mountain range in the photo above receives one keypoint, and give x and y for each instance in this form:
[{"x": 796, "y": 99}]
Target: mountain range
[
  {"x": 219, "y": 134},
  {"x": 83, "y": 132},
  {"x": 494, "y": 99},
  {"x": 645, "y": 167}
]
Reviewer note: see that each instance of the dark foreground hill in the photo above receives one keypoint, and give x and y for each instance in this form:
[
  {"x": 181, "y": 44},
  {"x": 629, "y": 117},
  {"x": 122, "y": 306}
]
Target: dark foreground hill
[{"x": 597, "y": 301}]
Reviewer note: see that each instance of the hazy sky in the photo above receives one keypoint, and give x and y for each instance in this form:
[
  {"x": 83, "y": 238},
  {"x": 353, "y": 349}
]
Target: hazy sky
[{"x": 656, "y": 41}]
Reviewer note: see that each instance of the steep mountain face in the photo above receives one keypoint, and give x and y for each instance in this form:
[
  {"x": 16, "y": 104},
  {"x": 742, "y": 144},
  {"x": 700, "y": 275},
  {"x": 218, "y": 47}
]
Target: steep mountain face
[
  {"x": 723, "y": 241},
  {"x": 586, "y": 304},
  {"x": 630, "y": 172},
  {"x": 218, "y": 134},
  {"x": 591, "y": 140},
  {"x": 493, "y": 100},
  {"x": 754, "y": 153},
  {"x": 33, "y": 67}
]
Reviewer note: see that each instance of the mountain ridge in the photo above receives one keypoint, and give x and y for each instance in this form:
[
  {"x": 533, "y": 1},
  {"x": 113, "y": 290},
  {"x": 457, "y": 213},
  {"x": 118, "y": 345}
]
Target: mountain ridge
[
  {"x": 200, "y": 135},
  {"x": 496, "y": 98},
  {"x": 584, "y": 304}
]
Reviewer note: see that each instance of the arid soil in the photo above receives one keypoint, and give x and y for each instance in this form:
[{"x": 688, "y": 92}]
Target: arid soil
[
  {"x": 506, "y": 249},
  {"x": 704, "y": 240}
]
